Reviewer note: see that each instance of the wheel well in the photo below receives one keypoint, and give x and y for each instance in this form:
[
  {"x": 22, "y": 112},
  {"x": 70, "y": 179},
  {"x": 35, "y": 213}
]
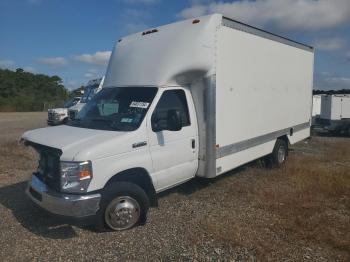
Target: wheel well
[
  {"x": 285, "y": 139},
  {"x": 140, "y": 177}
]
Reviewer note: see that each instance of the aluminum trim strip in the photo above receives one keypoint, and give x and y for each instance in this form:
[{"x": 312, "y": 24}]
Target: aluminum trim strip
[
  {"x": 265, "y": 34},
  {"x": 210, "y": 126},
  {"x": 246, "y": 144}
]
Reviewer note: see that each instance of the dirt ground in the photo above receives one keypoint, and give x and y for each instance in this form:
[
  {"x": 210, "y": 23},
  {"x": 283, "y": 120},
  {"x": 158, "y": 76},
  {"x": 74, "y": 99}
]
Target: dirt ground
[{"x": 300, "y": 212}]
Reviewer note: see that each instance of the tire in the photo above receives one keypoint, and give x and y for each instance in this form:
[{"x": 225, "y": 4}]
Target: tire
[
  {"x": 123, "y": 206},
  {"x": 279, "y": 154}
]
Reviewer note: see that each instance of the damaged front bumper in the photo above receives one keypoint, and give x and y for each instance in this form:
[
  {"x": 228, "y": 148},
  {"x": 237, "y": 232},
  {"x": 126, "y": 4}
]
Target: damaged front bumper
[{"x": 77, "y": 206}]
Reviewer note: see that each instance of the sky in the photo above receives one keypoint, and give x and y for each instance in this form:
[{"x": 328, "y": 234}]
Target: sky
[{"x": 74, "y": 38}]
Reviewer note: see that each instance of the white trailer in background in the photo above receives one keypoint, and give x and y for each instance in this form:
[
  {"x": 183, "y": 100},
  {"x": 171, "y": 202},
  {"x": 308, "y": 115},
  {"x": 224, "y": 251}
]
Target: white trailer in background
[
  {"x": 316, "y": 108},
  {"x": 335, "y": 113},
  {"x": 194, "y": 98}
]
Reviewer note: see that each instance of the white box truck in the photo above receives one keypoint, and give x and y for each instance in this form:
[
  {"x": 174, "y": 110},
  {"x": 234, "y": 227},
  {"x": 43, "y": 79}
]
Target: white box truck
[
  {"x": 335, "y": 113},
  {"x": 193, "y": 98}
]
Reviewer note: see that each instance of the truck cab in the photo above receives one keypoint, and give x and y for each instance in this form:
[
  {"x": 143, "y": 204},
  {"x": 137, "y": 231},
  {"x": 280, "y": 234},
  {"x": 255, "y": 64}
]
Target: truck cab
[
  {"x": 123, "y": 133},
  {"x": 58, "y": 116}
]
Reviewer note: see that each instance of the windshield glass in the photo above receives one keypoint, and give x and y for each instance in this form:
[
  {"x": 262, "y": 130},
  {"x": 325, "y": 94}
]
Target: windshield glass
[
  {"x": 116, "y": 108},
  {"x": 71, "y": 102},
  {"x": 89, "y": 92}
]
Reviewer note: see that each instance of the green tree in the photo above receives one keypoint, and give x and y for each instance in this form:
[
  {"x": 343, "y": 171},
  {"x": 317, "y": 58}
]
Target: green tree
[{"x": 24, "y": 91}]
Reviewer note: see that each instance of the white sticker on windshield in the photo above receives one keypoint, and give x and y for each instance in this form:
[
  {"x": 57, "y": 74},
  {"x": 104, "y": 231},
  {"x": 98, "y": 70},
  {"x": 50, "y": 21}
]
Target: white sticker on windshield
[
  {"x": 126, "y": 120},
  {"x": 139, "y": 104}
]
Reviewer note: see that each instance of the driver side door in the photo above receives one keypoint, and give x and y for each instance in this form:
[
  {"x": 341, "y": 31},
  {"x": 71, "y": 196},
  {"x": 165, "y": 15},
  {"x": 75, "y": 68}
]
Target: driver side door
[{"x": 174, "y": 153}]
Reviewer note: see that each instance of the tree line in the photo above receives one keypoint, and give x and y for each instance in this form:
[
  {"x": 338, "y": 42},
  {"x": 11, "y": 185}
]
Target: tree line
[
  {"x": 332, "y": 92},
  {"x": 25, "y": 91}
]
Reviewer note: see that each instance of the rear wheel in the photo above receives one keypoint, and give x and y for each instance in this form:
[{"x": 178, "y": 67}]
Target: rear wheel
[
  {"x": 278, "y": 155},
  {"x": 123, "y": 206}
]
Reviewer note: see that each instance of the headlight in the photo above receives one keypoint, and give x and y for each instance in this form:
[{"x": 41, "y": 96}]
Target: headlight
[{"x": 75, "y": 176}]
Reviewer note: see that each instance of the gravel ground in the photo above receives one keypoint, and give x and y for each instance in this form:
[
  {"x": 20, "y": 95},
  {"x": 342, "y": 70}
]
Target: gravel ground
[{"x": 192, "y": 223}]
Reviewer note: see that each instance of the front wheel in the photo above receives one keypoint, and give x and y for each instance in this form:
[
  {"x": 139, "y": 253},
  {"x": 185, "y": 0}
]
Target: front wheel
[
  {"x": 123, "y": 206},
  {"x": 278, "y": 155}
]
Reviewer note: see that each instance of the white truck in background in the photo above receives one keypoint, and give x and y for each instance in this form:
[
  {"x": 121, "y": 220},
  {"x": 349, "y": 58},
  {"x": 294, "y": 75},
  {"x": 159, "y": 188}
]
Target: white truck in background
[
  {"x": 335, "y": 113},
  {"x": 193, "y": 98},
  {"x": 90, "y": 90},
  {"x": 58, "y": 116}
]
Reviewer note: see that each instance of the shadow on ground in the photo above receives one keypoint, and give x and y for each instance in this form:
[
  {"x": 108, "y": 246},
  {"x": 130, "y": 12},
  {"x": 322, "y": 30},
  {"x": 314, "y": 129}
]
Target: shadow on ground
[
  {"x": 42, "y": 223},
  {"x": 199, "y": 183},
  {"x": 30, "y": 216}
]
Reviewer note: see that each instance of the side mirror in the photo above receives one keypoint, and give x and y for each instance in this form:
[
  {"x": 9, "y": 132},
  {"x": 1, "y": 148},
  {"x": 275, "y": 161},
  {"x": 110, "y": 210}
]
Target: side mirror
[{"x": 170, "y": 120}]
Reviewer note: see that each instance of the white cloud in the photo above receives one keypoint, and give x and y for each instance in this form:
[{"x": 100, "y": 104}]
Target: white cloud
[
  {"x": 7, "y": 64},
  {"x": 93, "y": 73},
  {"x": 194, "y": 11},
  {"x": 99, "y": 58},
  {"x": 327, "y": 81},
  {"x": 29, "y": 69},
  {"x": 135, "y": 27},
  {"x": 338, "y": 80},
  {"x": 53, "y": 61},
  {"x": 331, "y": 44},
  {"x": 284, "y": 14}
]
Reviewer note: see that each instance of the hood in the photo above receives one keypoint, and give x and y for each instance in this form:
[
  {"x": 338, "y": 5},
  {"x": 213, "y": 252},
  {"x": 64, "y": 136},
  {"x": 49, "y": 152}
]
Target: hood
[
  {"x": 80, "y": 144},
  {"x": 58, "y": 110},
  {"x": 77, "y": 107}
]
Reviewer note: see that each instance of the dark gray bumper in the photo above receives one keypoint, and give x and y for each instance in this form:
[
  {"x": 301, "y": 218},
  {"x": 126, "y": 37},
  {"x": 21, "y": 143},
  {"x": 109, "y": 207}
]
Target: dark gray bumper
[{"x": 62, "y": 204}]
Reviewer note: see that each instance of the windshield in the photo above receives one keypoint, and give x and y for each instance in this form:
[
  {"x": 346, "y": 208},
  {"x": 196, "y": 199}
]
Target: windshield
[
  {"x": 116, "y": 108},
  {"x": 89, "y": 92},
  {"x": 71, "y": 102}
]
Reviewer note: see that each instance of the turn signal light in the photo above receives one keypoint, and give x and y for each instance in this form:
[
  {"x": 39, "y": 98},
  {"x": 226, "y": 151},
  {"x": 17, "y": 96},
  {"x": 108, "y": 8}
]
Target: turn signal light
[{"x": 84, "y": 174}]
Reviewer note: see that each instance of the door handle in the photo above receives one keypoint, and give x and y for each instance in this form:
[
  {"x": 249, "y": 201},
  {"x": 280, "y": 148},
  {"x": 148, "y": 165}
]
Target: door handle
[
  {"x": 139, "y": 144},
  {"x": 193, "y": 143}
]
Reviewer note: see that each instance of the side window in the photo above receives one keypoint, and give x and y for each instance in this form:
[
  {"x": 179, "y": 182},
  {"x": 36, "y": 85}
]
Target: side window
[{"x": 174, "y": 99}]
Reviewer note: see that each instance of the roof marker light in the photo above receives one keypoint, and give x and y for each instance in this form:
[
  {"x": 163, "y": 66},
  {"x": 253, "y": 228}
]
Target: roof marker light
[
  {"x": 150, "y": 32},
  {"x": 120, "y": 40},
  {"x": 196, "y": 21}
]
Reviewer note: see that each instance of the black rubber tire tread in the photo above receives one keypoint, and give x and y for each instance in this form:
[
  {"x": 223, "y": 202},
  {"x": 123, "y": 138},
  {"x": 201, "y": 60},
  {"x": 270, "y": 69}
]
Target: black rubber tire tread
[
  {"x": 272, "y": 159},
  {"x": 116, "y": 189}
]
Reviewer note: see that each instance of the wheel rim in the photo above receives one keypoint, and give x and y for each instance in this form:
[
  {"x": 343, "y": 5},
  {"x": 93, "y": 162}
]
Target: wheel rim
[
  {"x": 281, "y": 154},
  {"x": 122, "y": 213}
]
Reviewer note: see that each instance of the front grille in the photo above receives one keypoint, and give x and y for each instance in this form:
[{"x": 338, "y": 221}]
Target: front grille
[
  {"x": 72, "y": 114},
  {"x": 52, "y": 116},
  {"x": 48, "y": 170}
]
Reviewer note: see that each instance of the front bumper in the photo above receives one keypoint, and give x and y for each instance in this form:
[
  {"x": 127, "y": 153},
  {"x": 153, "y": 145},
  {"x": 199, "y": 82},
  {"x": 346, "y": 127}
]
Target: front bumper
[
  {"x": 53, "y": 122},
  {"x": 77, "y": 206}
]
